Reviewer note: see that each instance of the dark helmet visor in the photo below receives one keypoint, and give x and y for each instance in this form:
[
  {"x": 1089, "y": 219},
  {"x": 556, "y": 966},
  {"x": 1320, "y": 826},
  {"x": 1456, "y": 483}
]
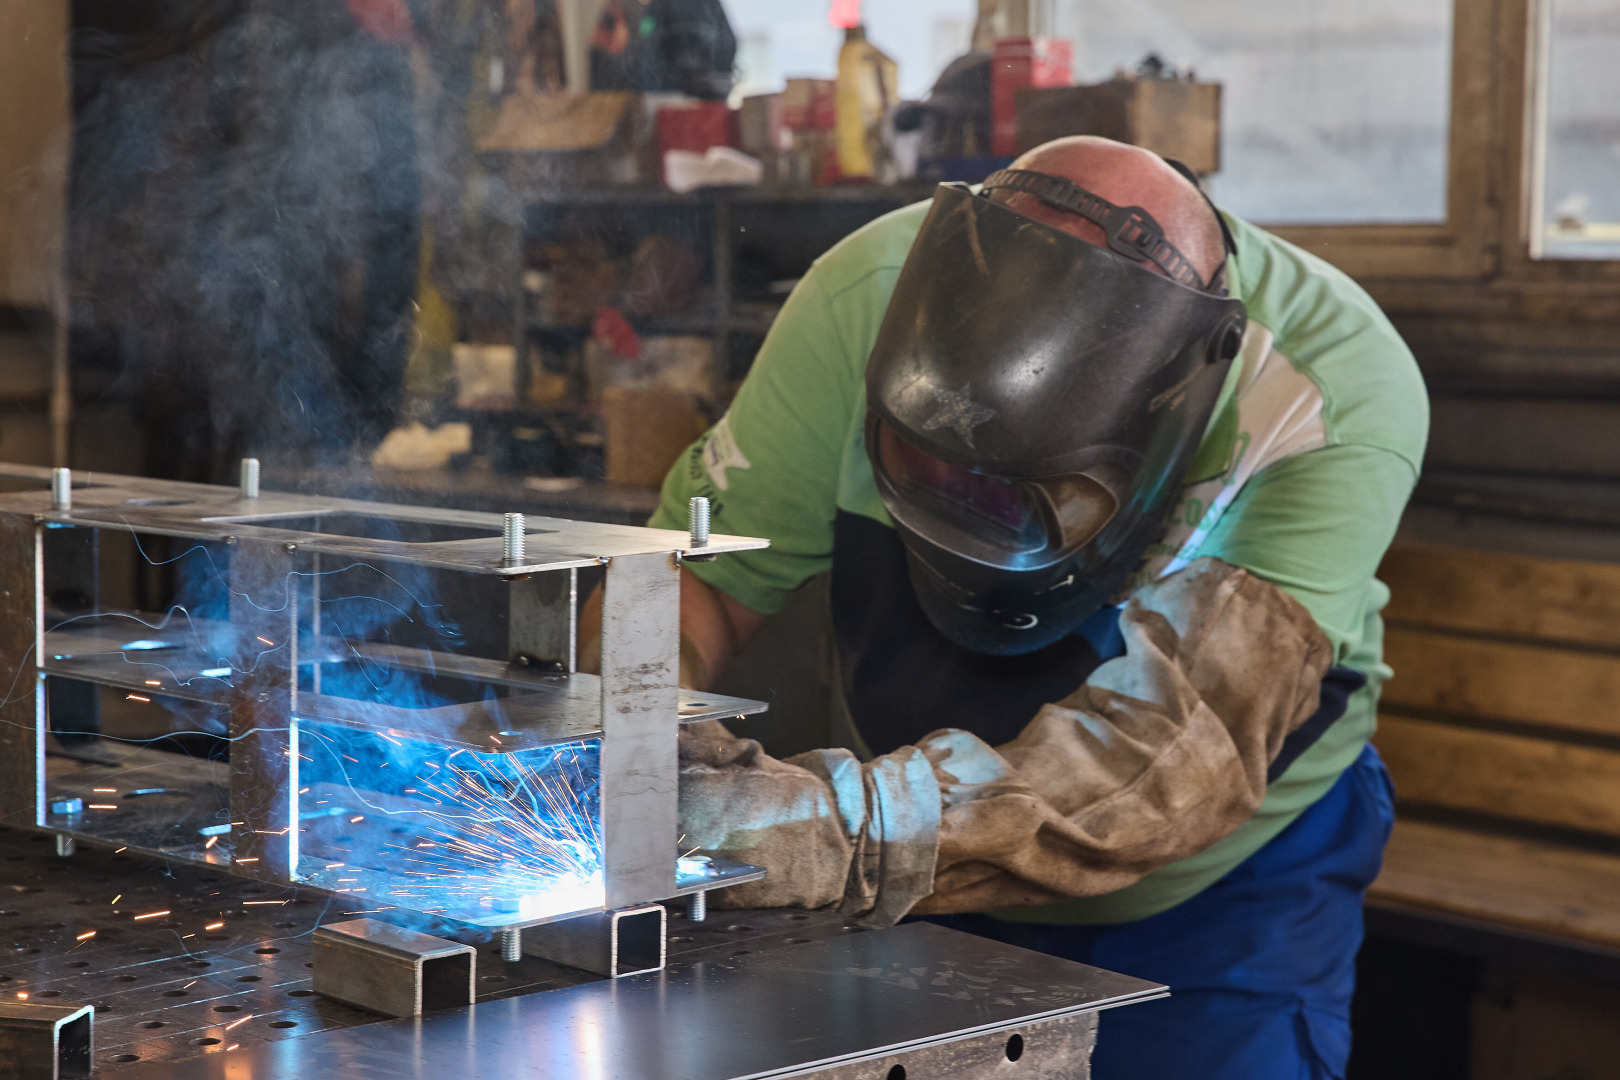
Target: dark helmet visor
[{"x": 990, "y": 519}]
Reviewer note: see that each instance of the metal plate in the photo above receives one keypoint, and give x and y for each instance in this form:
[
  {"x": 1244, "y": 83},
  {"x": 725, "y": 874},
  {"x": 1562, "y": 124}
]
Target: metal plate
[
  {"x": 169, "y": 989},
  {"x": 202, "y": 511},
  {"x": 861, "y": 996}
]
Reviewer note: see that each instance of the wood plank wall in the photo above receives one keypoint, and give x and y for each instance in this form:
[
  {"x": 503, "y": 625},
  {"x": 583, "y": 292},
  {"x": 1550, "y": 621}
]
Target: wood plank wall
[{"x": 1506, "y": 698}]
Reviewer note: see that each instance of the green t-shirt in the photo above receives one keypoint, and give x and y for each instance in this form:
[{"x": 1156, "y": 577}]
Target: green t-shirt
[{"x": 1301, "y": 477}]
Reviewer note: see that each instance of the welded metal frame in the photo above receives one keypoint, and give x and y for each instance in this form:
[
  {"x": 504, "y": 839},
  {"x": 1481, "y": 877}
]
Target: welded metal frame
[{"x": 634, "y": 707}]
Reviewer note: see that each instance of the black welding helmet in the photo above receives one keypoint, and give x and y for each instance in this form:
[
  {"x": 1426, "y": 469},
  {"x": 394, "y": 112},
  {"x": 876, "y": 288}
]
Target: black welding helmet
[{"x": 1033, "y": 403}]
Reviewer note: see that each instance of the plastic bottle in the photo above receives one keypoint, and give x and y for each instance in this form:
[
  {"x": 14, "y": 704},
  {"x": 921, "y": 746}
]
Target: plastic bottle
[{"x": 867, "y": 85}]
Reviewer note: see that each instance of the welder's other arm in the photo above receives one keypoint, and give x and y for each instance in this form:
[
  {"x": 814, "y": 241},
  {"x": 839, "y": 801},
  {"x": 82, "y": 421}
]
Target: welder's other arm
[
  {"x": 1161, "y": 753},
  {"x": 714, "y": 628}
]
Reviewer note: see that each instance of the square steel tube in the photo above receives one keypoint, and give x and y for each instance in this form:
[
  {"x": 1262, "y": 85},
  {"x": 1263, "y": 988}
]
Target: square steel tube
[
  {"x": 45, "y": 1042},
  {"x": 391, "y": 970},
  {"x": 611, "y": 943}
]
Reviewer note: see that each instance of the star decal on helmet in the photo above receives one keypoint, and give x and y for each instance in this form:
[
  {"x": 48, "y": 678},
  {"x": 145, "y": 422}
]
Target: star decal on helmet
[{"x": 959, "y": 412}]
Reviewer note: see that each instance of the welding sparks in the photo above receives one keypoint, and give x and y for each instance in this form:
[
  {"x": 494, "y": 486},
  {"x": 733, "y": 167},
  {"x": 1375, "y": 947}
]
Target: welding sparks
[
  {"x": 250, "y": 903},
  {"x": 86, "y": 936},
  {"x": 254, "y": 859},
  {"x": 212, "y": 840},
  {"x": 105, "y": 790},
  {"x": 22, "y": 995},
  {"x": 234, "y": 1023},
  {"x": 117, "y": 898},
  {"x": 153, "y": 682},
  {"x": 137, "y": 697},
  {"x": 101, "y": 806},
  {"x": 214, "y": 926},
  {"x": 517, "y": 832},
  {"x": 231, "y": 1047},
  {"x": 266, "y": 640},
  {"x": 151, "y": 915}
]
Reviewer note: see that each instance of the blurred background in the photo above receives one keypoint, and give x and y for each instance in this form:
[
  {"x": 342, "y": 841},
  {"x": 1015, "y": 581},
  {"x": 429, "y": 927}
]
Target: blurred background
[{"x": 516, "y": 254}]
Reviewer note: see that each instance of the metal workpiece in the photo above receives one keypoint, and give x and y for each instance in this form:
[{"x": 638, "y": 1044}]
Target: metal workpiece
[
  {"x": 852, "y": 1001},
  {"x": 22, "y": 706},
  {"x": 640, "y": 663},
  {"x": 1055, "y": 1049},
  {"x": 543, "y": 622},
  {"x": 612, "y": 943},
  {"x": 565, "y": 781},
  {"x": 391, "y": 970},
  {"x": 461, "y": 540},
  {"x": 264, "y": 760},
  {"x": 44, "y": 1042}
]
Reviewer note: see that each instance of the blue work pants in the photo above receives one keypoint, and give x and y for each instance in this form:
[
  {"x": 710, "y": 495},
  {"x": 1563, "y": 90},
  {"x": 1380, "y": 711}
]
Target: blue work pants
[{"x": 1261, "y": 965}]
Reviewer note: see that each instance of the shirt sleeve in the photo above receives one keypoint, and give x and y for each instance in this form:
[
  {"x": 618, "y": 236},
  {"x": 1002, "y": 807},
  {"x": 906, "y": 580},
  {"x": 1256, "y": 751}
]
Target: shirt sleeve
[
  {"x": 1317, "y": 525},
  {"x": 770, "y": 467}
]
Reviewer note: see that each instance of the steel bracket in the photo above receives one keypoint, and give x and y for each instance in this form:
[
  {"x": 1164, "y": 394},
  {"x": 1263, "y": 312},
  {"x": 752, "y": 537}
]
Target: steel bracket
[{"x": 612, "y": 943}]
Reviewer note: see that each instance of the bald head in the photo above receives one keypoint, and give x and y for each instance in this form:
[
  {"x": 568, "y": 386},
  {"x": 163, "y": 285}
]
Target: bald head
[{"x": 1125, "y": 176}]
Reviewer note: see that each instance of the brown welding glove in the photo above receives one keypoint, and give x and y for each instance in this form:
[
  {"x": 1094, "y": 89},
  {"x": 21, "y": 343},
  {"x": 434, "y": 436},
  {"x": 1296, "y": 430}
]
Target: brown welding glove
[{"x": 1161, "y": 753}]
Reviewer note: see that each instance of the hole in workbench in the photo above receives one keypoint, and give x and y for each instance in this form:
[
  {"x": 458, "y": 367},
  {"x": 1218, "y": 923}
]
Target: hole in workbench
[
  {"x": 492, "y": 978},
  {"x": 125, "y": 978},
  {"x": 152, "y": 1024},
  {"x": 798, "y": 941},
  {"x": 898, "y": 1072},
  {"x": 284, "y": 925},
  {"x": 149, "y": 950},
  {"x": 10, "y": 913},
  {"x": 283, "y": 1023},
  {"x": 742, "y": 952},
  {"x": 247, "y": 978},
  {"x": 798, "y": 916},
  {"x": 739, "y": 928},
  {"x": 124, "y": 1059},
  {"x": 79, "y": 963},
  {"x": 5, "y": 978},
  {"x": 199, "y": 963},
  {"x": 227, "y": 1008},
  {"x": 175, "y": 993},
  {"x": 1015, "y": 1046},
  {"x": 49, "y": 993},
  {"x": 300, "y": 993},
  {"x": 267, "y": 950},
  {"x": 209, "y": 1041},
  {"x": 216, "y": 937}
]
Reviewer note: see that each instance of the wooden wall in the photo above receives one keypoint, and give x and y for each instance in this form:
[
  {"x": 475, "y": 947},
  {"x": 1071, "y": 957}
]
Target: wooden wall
[{"x": 34, "y": 130}]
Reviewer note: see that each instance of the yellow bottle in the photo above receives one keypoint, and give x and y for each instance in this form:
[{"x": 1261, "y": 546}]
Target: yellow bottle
[{"x": 868, "y": 84}]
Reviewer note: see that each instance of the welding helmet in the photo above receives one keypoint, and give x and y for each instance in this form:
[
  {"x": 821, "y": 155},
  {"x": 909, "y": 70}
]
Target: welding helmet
[{"x": 1033, "y": 403}]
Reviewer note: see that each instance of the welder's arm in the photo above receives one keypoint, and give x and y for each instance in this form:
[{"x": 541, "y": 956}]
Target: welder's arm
[
  {"x": 714, "y": 628},
  {"x": 1161, "y": 753}
]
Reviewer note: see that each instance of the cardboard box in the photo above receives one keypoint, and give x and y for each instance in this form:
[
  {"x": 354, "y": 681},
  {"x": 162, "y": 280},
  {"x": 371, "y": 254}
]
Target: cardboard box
[
  {"x": 1172, "y": 117},
  {"x": 646, "y": 430},
  {"x": 604, "y": 137}
]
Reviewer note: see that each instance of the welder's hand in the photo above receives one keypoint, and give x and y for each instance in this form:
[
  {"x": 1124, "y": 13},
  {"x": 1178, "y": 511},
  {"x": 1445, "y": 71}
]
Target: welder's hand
[{"x": 828, "y": 829}]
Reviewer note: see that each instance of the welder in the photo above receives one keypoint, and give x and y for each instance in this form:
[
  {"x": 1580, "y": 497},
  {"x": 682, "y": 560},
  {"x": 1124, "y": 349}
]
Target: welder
[{"x": 1102, "y": 476}]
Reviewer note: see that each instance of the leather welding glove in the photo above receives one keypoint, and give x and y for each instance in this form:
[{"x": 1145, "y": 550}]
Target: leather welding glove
[{"x": 1162, "y": 752}]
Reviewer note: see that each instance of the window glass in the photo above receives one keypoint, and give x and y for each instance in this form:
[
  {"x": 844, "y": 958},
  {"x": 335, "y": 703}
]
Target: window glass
[
  {"x": 1577, "y": 205},
  {"x": 1334, "y": 111}
]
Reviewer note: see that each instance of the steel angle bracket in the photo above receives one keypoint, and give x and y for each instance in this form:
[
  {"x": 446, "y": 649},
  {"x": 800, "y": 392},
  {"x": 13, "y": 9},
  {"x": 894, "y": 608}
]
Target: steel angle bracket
[
  {"x": 390, "y": 970},
  {"x": 628, "y": 941},
  {"x": 45, "y": 1042}
]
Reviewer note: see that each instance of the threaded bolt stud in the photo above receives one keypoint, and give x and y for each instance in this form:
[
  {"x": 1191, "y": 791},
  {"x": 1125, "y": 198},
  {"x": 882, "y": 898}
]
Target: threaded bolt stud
[
  {"x": 511, "y": 946},
  {"x": 697, "y": 906},
  {"x": 513, "y": 540},
  {"x": 250, "y": 478},
  {"x": 61, "y": 489}
]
